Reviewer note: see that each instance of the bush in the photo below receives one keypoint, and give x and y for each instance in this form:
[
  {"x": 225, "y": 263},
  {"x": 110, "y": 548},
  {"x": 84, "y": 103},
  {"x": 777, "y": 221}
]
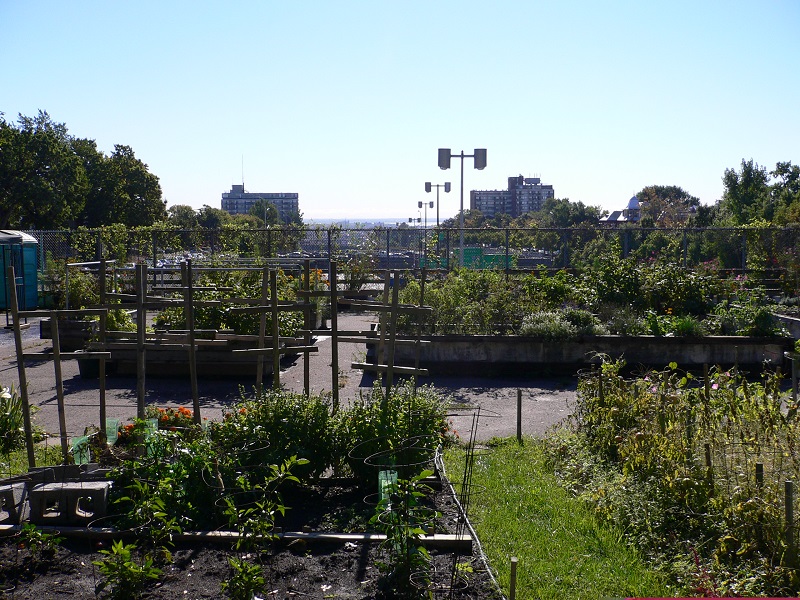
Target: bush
[
  {"x": 404, "y": 428},
  {"x": 548, "y": 325}
]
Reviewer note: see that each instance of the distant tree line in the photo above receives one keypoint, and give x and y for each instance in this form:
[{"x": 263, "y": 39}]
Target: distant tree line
[
  {"x": 50, "y": 179},
  {"x": 751, "y": 196}
]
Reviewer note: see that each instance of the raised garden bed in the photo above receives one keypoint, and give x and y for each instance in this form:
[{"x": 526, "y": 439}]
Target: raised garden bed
[
  {"x": 487, "y": 354},
  {"x": 311, "y": 558}
]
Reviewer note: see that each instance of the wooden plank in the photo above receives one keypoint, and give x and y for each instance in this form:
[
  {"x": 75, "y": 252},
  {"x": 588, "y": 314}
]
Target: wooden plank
[
  {"x": 283, "y": 350},
  {"x": 372, "y": 340},
  {"x": 64, "y": 355},
  {"x": 395, "y": 369}
]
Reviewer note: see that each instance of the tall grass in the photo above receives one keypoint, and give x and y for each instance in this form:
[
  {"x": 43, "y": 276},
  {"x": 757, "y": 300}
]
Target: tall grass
[{"x": 519, "y": 509}]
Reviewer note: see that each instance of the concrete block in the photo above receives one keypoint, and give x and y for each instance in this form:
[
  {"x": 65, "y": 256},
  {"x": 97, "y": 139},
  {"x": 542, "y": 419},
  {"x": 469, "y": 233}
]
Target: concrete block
[
  {"x": 70, "y": 503},
  {"x": 13, "y": 503}
]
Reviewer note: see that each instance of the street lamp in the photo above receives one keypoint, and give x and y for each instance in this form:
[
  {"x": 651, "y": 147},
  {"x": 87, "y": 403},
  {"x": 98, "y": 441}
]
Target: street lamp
[
  {"x": 446, "y": 186},
  {"x": 479, "y": 160},
  {"x": 419, "y": 205}
]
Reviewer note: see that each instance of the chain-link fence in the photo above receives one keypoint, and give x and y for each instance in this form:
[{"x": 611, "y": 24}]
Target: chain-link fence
[{"x": 767, "y": 251}]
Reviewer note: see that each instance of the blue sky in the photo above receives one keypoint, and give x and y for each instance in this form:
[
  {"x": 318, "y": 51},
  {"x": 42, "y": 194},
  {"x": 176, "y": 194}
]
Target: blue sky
[{"x": 347, "y": 102}]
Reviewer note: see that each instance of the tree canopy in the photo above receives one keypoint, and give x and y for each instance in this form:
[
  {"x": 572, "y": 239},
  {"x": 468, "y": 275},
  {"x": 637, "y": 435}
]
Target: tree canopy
[{"x": 50, "y": 180}]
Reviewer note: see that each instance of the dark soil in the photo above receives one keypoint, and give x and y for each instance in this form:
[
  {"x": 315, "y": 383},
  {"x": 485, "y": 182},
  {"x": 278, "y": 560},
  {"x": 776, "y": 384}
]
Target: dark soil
[{"x": 296, "y": 570}]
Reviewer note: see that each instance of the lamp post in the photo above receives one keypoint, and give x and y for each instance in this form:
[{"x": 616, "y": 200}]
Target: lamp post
[
  {"x": 479, "y": 160},
  {"x": 429, "y": 186},
  {"x": 419, "y": 205}
]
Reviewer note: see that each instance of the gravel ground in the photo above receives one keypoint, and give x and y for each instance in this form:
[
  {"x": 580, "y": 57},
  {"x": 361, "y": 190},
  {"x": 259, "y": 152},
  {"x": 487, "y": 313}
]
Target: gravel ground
[{"x": 545, "y": 402}]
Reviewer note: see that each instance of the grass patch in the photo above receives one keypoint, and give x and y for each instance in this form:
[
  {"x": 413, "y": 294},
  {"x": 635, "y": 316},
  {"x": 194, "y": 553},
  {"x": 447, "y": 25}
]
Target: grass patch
[
  {"x": 16, "y": 462},
  {"x": 563, "y": 551}
]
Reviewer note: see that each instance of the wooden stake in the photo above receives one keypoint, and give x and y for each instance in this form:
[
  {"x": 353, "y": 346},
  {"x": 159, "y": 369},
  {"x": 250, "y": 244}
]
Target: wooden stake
[
  {"x": 333, "y": 276},
  {"x": 11, "y": 286},
  {"x": 759, "y": 488},
  {"x": 141, "y": 327},
  {"x": 62, "y": 419},
  {"x": 791, "y": 551},
  {"x": 189, "y": 310},
  {"x": 519, "y": 416},
  {"x": 512, "y": 588},
  {"x": 102, "y": 361},
  {"x": 276, "y": 331},
  {"x": 262, "y": 330},
  {"x": 308, "y": 326}
]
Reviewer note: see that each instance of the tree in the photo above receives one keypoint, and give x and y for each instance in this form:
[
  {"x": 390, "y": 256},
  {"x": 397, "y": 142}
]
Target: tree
[
  {"x": 785, "y": 194},
  {"x": 182, "y": 216},
  {"x": 212, "y": 218},
  {"x": 265, "y": 211},
  {"x": 666, "y": 205},
  {"x": 746, "y": 193},
  {"x": 43, "y": 184}
]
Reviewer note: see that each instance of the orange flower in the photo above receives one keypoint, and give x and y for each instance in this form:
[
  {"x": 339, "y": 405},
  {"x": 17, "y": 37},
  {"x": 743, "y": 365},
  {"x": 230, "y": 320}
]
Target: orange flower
[{"x": 242, "y": 411}]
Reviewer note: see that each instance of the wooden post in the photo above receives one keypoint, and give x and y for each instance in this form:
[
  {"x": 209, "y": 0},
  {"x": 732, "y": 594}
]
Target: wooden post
[
  {"x": 759, "y": 488},
  {"x": 380, "y": 349},
  {"x": 102, "y": 361},
  {"x": 512, "y": 587},
  {"x": 11, "y": 286},
  {"x": 62, "y": 418},
  {"x": 189, "y": 310},
  {"x": 519, "y": 416},
  {"x": 709, "y": 471},
  {"x": 141, "y": 326},
  {"x": 276, "y": 331},
  {"x": 309, "y": 326},
  {"x": 262, "y": 330},
  {"x": 392, "y": 334},
  {"x": 334, "y": 278},
  {"x": 791, "y": 551}
]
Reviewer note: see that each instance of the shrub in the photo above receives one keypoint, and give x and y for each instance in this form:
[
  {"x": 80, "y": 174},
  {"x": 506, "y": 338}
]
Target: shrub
[
  {"x": 377, "y": 431},
  {"x": 549, "y": 326}
]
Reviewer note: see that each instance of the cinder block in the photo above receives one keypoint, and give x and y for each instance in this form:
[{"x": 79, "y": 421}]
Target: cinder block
[
  {"x": 70, "y": 503},
  {"x": 13, "y": 503}
]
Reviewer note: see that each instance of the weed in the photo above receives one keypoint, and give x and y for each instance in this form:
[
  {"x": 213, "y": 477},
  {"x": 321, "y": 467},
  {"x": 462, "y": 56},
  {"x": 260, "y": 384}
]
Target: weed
[{"x": 126, "y": 577}]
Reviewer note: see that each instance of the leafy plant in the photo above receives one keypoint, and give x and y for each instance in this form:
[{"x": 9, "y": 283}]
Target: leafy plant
[
  {"x": 247, "y": 579},
  {"x": 405, "y": 519},
  {"x": 126, "y": 577},
  {"x": 42, "y": 545}
]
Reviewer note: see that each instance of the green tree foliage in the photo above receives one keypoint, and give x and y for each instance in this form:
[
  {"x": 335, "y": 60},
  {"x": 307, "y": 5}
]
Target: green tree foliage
[
  {"x": 182, "y": 216},
  {"x": 265, "y": 211},
  {"x": 746, "y": 193},
  {"x": 50, "y": 179},
  {"x": 42, "y": 181},
  {"x": 212, "y": 218},
  {"x": 665, "y": 205}
]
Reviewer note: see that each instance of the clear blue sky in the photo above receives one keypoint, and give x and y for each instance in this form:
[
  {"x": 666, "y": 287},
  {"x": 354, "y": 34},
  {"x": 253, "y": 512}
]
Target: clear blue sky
[{"x": 347, "y": 102}]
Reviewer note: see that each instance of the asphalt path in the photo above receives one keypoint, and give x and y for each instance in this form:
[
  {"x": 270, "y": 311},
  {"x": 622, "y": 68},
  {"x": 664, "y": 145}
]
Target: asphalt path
[{"x": 481, "y": 406}]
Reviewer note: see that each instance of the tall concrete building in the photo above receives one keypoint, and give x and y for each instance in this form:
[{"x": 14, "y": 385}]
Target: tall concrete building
[
  {"x": 524, "y": 194},
  {"x": 239, "y": 202}
]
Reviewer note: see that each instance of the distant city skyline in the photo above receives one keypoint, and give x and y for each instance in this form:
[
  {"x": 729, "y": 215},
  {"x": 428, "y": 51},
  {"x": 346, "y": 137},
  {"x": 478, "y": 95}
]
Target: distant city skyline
[{"x": 347, "y": 103}]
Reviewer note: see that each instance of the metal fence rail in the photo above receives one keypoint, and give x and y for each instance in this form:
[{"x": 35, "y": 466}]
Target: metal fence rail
[{"x": 744, "y": 249}]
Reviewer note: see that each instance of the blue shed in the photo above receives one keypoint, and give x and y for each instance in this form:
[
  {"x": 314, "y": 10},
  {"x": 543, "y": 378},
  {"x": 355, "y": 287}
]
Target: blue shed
[{"x": 19, "y": 250}]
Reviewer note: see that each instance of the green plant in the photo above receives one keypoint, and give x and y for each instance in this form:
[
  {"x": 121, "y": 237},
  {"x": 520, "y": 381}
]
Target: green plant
[
  {"x": 247, "y": 579},
  {"x": 272, "y": 426},
  {"x": 404, "y": 427},
  {"x": 12, "y": 433},
  {"x": 42, "y": 545},
  {"x": 549, "y": 326},
  {"x": 405, "y": 519},
  {"x": 126, "y": 577}
]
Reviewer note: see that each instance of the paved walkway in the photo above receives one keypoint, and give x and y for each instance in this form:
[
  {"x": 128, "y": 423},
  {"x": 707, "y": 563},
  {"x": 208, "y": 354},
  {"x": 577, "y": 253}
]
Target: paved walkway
[{"x": 544, "y": 401}]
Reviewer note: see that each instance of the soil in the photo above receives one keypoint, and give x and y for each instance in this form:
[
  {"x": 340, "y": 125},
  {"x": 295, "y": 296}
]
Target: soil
[{"x": 298, "y": 569}]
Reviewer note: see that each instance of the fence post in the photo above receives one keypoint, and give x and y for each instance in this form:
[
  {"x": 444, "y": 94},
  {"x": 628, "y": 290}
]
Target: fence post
[
  {"x": 519, "y": 416},
  {"x": 709, "y": 471}
]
